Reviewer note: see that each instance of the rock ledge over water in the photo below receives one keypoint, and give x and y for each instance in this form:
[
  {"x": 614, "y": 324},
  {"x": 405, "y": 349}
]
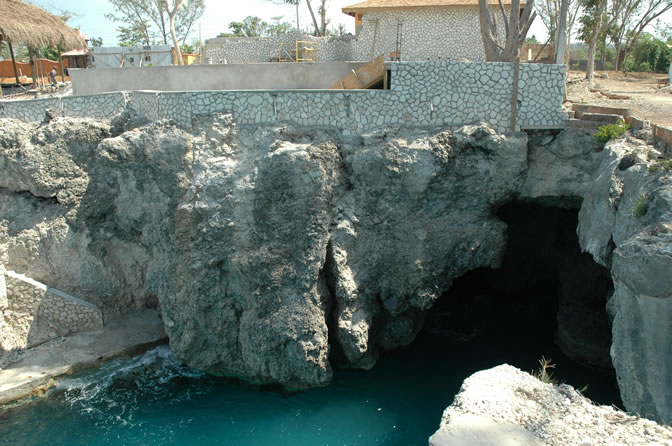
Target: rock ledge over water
[{"x": 506, "y": 406}]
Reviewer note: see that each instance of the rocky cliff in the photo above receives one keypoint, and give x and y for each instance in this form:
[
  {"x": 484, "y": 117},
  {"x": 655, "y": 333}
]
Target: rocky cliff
[
  {"x": 506, "y": 406},
  {"x": 270, "y": 250}
]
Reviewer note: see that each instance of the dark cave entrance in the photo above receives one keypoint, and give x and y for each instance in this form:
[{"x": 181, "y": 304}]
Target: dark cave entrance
[{"x": 547, "y": 299}]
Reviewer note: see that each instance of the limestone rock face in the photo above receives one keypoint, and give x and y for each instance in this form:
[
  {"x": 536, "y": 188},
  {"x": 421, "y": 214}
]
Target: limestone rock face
[
  {"x": 417, "y": 214},
  {"x": 506, "y": 406},
  {"x": 561, "y": 166},
  {"x": 251, "y": 235},
  {"x": 257, "y": 243},
  {"x": 626, "y": 224}
]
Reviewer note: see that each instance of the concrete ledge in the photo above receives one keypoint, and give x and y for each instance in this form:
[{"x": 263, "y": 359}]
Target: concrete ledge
[
  {"x": 579, "y": 124},
  {"x": 663, "y": 135},
  {"x": 637, "y": 124},
  {"x": 602, "y": 118},
  {"x": 37, "y": 369},
  {"x": 580, "y": 109}
]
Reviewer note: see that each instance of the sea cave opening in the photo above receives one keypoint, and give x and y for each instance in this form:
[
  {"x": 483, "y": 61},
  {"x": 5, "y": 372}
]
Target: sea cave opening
[{"x": 548, "y": 299}]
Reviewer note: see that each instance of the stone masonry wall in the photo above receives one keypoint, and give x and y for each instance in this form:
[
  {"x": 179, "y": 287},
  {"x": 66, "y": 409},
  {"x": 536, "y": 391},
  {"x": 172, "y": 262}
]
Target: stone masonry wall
[
  {"x": 427, "y": 34},
  {"x": 440, "y": 33},
  {"x": 422, "y": 94},
  {"x": 98, "y": 106},
  {"x": 36, "y": 313},
  {"x": 239, "y": 50}
]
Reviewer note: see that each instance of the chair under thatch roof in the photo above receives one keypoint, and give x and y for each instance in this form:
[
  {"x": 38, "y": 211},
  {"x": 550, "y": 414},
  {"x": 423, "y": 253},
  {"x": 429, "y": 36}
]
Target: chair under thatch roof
[{"x": 35, "y": 27}]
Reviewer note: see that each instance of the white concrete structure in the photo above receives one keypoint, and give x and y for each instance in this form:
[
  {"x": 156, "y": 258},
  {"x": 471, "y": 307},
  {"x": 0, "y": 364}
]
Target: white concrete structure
[{"x": 131, "y": 56}]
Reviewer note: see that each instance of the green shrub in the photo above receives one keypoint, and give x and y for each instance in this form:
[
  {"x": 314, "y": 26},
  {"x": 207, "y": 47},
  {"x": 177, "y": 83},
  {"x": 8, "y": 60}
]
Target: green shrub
[
  {"x": 611, "y": 131},
  {"x": 664, "y": 164},
  {"x": 645, "y": 67},
  {"x": 640, "y": 206}
]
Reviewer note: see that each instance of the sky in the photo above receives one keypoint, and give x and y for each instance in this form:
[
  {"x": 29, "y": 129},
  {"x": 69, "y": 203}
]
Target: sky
[{"x": 90, "y": 16}]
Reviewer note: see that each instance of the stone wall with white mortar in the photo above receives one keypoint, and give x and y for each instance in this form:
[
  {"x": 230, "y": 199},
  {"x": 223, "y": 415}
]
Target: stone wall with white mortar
[
  {"x": 451, "y": 33},
  {"x": 440, "y": 33},
  {"x": 241, "y": 50},
  {"x": 98, "y": 106},
  {"x": 422, "y": 94},
  {"x": 36, "y": 313}
]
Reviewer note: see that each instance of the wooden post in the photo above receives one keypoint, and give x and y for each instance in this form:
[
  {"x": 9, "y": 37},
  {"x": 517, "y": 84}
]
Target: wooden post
[
  {"x": 32, "y": 65},
  {"x": 16, "y": 72},
  {"x": 514, "y": 94},
  {"x": 0, "y": 79},
  {"x": 60, "y": 63}
]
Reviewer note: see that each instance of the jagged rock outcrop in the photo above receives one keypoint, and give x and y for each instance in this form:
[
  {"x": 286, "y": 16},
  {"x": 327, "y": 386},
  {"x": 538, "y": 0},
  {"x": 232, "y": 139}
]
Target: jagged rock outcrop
[
  {"x": 256, "y": 240},
  {"x": 417, "y": 214},
  {"x": 626, "y": 224},
  {"x": 268, "y": 247},
  {"x": 506, "y": 406}
]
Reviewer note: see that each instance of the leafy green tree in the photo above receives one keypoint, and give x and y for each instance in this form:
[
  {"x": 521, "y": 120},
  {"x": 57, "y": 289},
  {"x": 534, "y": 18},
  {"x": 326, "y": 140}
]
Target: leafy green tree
[
  {"x": 132, "y": 36},
  {"x": 278, "y": 28},
  {"x": 532, "y": 40},
  {"x": 651, "y": 53},
  {"x": 96, "y": 41},
  {"x": 251, "y": 26},
  {"x": 152, "y": 18}
]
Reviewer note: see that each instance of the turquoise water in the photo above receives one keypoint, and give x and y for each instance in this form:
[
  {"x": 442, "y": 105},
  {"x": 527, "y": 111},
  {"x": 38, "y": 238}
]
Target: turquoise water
[{"x": 155, "y": 400}]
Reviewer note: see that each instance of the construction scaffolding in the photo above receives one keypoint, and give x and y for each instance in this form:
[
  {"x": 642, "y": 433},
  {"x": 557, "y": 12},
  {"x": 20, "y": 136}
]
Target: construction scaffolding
[{"x": 300, "y": 51}]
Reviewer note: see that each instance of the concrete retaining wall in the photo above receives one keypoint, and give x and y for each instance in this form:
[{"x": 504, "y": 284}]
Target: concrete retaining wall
[
  {"x": 422, "y": 94},
  {"x": 289, "y": 76}
]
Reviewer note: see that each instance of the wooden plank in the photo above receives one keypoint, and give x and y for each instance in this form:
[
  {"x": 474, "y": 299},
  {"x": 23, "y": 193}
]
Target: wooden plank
[{"x": 363, "y": 78}]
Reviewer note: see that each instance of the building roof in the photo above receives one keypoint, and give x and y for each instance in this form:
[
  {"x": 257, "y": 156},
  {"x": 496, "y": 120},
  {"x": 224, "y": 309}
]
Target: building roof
[
  {"x": 413, "y": 4},
  {"x": 21, "y": 22}
]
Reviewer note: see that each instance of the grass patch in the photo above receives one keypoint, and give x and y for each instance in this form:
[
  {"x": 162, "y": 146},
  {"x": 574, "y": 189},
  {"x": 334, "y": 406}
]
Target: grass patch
[
  {"x": 640, "y": 206},
  {"x": 611, "y": 131},
  {"x": 544, "y": 373},
  {"x": 664, "y": 164}
]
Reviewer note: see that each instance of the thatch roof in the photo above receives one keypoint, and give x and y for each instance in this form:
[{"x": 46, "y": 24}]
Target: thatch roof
[
  {"x": 372, "y": 5},
  {"x": 35, "y": 27}
]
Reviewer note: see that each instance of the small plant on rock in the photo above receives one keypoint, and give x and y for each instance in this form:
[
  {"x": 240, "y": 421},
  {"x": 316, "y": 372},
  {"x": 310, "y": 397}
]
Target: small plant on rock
[
  {"x": 663, "y": 164},
  {"x": 640, "y": 206},
  {"x": 544, "y": 374},
  {"x": 611, "y": 131}
]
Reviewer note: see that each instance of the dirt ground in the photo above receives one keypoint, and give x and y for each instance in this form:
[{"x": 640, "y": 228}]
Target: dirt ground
[{"x": 647, "y": 98}]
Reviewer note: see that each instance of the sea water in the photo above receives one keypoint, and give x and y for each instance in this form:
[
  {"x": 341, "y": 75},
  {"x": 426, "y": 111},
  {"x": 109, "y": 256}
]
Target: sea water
[{"x": 154, "y": 399}]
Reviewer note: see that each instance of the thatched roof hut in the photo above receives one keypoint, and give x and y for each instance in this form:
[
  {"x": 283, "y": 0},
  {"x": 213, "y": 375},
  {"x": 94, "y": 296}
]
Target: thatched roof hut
[{"x": 35, "y": 27}]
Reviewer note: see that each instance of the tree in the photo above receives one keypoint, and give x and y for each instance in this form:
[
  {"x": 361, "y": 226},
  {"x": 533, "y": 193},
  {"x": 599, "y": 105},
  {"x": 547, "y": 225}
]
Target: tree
[
  {"x": 532, "y": 40},
  {"x": 134, "y": 35},
  {"x": 96, "y": 41},
  {"x": 592, "y": 22},
  {"x": 251, "y": 26},
  {"x": 516, "y": 25},
  {"x": 549, "y": 13},
  {"x": 278, "y": 28},
  {"x": 319, "y": 31},
  {"x": 151, "y": 16},
  {"x": 172, "y": 9},
  {"x": 629, "y": 18},
  {"x": 135, "y": 28}
]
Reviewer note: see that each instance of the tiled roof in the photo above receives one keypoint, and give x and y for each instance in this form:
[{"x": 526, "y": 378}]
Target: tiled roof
[{"x": 409, "y": 4}]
